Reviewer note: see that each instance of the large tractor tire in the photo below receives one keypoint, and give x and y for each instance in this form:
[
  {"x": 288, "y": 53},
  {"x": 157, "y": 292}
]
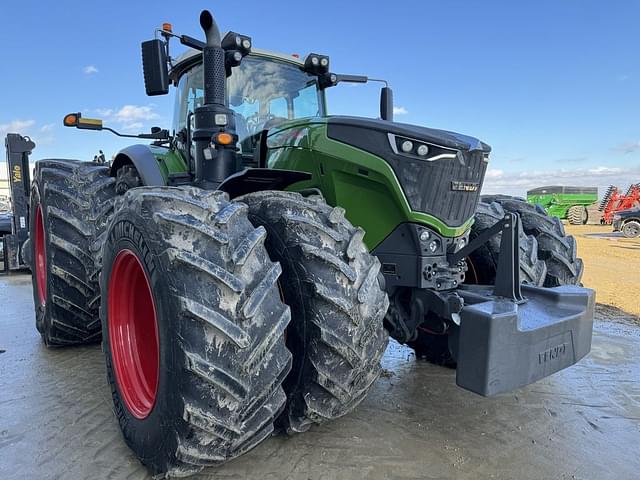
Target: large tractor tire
[
  {"x": 483, "y": 263},
  {"x": 71, "y": 202},
  {"x": 330, "y": 281},
  {"x": 578, "y": 215},
  {"x": 193, "y": 328},
  {"x": 557, "y": 249},
  {"x": 433, "y": 347}
]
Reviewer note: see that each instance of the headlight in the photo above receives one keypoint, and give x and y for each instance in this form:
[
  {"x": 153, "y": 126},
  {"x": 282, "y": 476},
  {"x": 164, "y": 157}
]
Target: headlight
[
  {"x": 433, "y": 246},
  {"x": 416, "y": 148},
  {"x": 422, "y": 150}
]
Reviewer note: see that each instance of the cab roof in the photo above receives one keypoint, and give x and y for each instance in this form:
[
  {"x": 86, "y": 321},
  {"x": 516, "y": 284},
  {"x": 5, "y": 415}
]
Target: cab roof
[{"x": 192, "y": 57}]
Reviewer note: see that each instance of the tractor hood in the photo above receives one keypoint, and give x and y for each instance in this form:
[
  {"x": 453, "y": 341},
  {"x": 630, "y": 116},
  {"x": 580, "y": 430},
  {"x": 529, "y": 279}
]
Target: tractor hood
[
  {"x": 441, "y": 173},
  {"x": 429, "y": 135}
]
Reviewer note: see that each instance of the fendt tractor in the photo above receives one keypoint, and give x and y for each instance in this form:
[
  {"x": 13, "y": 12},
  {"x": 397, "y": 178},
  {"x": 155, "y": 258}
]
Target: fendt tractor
[{"x": 227, "y": 270}]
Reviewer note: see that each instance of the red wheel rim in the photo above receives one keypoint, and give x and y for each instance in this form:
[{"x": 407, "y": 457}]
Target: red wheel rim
[
  {"x": 472, "y": 272},
  {"x": 133, "y": 334},
  {"x": 40, "y": 255}
]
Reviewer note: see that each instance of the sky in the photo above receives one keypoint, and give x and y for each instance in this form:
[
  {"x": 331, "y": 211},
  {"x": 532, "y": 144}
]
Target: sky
[{"x": 551, "y": 85}]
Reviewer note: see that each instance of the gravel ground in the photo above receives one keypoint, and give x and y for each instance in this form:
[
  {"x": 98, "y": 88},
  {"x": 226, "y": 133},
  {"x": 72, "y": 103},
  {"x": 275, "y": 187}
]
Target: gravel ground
[{"x": 612, "y": 266}]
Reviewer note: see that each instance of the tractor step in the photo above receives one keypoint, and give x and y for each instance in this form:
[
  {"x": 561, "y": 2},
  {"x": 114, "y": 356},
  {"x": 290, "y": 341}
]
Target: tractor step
[{"x": 503, "y": 345}]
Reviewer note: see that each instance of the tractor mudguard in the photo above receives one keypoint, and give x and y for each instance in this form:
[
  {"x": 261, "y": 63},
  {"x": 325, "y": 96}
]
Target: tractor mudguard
[
  {"x": 502, "y": 344},
  {"x": 252, "y": 180},
  {"x": 145, "y": 162}
]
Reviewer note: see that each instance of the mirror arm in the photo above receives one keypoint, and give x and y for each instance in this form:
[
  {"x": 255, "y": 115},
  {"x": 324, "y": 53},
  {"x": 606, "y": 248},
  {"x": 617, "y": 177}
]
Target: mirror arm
[{"x": 161, "y": 135}]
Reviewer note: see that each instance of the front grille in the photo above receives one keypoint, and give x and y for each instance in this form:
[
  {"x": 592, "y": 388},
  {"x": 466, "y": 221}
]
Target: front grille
[{"x": 428, "y": 185}]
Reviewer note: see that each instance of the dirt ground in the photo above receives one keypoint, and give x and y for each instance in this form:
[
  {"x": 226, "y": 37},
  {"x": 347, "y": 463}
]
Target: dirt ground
[
  {"x": 611, "y": 266},
  {"x": 56, "y": 418}
]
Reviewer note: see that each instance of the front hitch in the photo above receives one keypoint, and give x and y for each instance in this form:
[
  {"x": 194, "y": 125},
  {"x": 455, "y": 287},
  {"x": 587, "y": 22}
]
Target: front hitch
[{"x": 508, "y": 272}]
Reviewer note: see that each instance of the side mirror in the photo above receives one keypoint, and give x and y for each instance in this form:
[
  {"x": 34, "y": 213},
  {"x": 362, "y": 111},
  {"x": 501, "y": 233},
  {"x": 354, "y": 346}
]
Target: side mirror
[
  {"x": 154, "y": 67},
  {"x": 386, "y": 104},
  {"x": 78, "y": 121}
]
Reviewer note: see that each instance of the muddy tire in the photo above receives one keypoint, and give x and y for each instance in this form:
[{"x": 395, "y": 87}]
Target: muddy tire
[
  {"x": 433, "y": 347},
  {"x": 127, "y": 177},
  {"x": 557, "y": 249},
  {"x": 187, "y": 265},
  {"x": 71, "y": 202},
  {"x": 577, "y": 215},
  {"x": 483, "y": 263},
  {"x": 631, "y": 229},
  {"x": 330, "y": 281}
]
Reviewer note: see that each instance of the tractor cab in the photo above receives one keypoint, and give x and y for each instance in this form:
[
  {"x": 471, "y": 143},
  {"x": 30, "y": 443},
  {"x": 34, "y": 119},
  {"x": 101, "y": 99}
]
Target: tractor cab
[{"x": 264, "y": 91}]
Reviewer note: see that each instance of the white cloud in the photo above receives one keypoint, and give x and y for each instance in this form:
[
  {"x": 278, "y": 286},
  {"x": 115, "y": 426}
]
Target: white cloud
[
  {"x": 47, "y": 127},
  {"x": 494, "y": 173},
  {"x": 90, "y": 70},
  {"x": 517, "y": 183},
  {"x": 400, "y": 110},
  {"x": 133, "y": 126},
  {"x": 128, "y": 117},
  {"x": 129, "y": 114},
  {"x": 16, "y": 126}
]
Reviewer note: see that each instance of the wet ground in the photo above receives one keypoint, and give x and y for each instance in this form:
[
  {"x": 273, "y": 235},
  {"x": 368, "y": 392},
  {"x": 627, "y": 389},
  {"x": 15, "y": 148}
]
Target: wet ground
[{"x": 582, "y": 423}]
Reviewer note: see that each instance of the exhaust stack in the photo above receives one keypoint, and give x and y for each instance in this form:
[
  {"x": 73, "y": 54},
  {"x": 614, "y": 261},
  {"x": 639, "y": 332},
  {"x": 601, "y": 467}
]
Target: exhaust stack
[{"x": 213, "y": 59}]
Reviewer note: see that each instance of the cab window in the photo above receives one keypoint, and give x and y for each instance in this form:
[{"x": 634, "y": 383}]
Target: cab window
[{"x": 262, "y": 92}]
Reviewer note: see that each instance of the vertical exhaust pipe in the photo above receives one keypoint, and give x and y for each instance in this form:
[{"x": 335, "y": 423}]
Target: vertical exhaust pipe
[
  {"x": 214, "y": 161},
  {"x": 213, "y": 61}
]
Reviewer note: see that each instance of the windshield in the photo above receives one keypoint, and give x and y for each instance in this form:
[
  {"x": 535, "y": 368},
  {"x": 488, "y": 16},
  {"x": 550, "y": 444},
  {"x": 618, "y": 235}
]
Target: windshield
[{"x": 262, "y": 93}]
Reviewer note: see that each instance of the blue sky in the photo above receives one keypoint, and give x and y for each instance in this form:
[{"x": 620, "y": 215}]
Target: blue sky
[{"x": 553, "y": 86}]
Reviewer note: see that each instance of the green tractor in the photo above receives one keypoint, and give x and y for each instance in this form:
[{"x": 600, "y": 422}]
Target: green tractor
[
  {"x": 246, "y": 269},
  {"x": 564, "y": 202}
]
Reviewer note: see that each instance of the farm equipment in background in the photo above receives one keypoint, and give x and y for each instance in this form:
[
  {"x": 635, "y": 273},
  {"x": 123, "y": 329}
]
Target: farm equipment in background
[
  {"x": 627, "y": 222},
  {"x": 564, "y": 202},
  {"x": 14, "y": 224},
  {"x": 614, "y": 202},
  {"x": 248, "y": 267}
]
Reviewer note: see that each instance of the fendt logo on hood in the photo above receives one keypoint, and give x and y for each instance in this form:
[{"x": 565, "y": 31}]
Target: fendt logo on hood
[{"x": 464, "y": 186}]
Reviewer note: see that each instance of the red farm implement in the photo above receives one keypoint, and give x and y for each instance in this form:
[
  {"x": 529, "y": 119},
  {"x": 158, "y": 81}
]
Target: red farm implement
[{"x": 614, "y": 201}]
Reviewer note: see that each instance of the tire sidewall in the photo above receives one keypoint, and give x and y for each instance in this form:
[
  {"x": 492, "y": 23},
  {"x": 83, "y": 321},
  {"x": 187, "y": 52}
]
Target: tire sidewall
[
  {"x": 42, "y": 312},
  {"x": 153, "y": 438}
]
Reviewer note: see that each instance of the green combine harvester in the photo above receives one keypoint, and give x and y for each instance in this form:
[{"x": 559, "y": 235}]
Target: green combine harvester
[
  {"x": 246, "y": 269},
  {"x": 567, "y": 203}
]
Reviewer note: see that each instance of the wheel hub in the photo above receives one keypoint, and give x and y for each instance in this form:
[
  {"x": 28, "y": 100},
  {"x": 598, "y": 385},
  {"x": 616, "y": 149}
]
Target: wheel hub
[
  {"x": 632, "y": 230},
  {"x": 133, "y": 334}
]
